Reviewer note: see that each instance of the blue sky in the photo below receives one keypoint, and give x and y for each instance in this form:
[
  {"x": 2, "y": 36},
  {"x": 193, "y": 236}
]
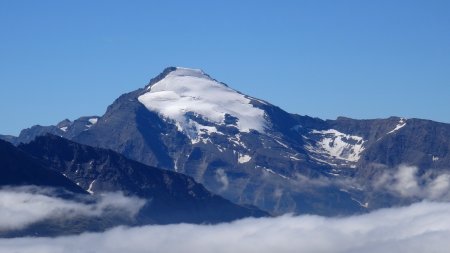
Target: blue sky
[{"x": 361, "y": 59}]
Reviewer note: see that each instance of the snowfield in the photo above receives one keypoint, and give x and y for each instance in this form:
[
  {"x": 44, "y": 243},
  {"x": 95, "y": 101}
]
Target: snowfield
[{"x": 190, "y": 92}]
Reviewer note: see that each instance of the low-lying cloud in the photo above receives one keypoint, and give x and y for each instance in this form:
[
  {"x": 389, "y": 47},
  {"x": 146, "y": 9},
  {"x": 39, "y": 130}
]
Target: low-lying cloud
[
  {"x": 23, "y": 206},
  {"x": 422, "y": 227},
  {"x": 403, "y": 181},
  {"x": 406, "y": 182}
]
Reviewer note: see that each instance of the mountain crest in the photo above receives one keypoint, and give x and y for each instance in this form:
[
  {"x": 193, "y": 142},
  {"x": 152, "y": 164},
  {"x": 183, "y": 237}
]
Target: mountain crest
[
  {"x": 181, "y": 94},
  {"x": 178, "y": 71},
  {"x": 182, "y": 71}
]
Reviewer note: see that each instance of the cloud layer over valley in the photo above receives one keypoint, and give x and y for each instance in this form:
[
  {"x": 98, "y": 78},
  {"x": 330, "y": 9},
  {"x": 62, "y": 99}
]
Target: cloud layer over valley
[
  {"x": 23, "y": 206},
  {"x": 422, "y": 227}
]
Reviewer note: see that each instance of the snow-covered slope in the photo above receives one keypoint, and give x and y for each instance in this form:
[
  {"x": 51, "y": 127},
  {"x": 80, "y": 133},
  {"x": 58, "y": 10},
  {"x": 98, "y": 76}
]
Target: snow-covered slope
[
  {"x": 185, "y": 94},
  {"x": 335, "y": 148}
]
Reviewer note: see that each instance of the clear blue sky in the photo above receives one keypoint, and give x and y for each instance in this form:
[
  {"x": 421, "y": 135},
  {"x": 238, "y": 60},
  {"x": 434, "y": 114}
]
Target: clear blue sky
[{"x": 362, "y": 59}]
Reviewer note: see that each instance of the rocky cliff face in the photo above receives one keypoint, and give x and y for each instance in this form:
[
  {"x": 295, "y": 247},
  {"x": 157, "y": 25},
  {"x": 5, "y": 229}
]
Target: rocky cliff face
[
  {"x": 18, "y": 168},
  {"x": 171, "y": 197}
]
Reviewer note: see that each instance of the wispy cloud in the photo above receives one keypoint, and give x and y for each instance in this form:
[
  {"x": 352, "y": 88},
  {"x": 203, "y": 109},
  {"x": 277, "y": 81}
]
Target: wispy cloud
[
  {"x": 422, "y": 227},
  {"x": 403, "y": 181},
  {"x": 222, "y": 177},
  {"x": 407, "y": 182},
  {"x": 23, "y": 206}
]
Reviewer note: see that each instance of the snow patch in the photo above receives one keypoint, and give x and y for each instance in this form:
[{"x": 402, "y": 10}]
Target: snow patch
[
  {"x": 294, "y": 158},
  {"x": 273, "y": 172},
  {"x": 236, "y": 140},
  {"x": 186, "y": 92},
  {"x": 93, "y": 121},
  {"x": 64, "y": 129},
  {"x": 281, "y": 143},
  {"x": 199, "y": 133},
  {"x": 334, "y": 145},
  {"x": 365, "y": 205},
  {"x": 400, "y": 125},
  {"x": 90, "y": 188},
  {"x": 321, "y": 160},
  {"x": 333, "y": 174},
  {"x": 244, "y": 158}
]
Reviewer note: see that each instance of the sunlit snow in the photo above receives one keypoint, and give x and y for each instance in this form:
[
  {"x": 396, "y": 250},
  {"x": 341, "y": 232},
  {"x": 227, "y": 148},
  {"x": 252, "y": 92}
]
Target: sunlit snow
[
  {"x": 91, "y": 187},
  {"x": 336, "y": 145},
  {"x": 191, "y": 91},
  {"x": 93, "y": 121},
  {"x": 244, "y": 158},
  {"x": 400, "y": 125}
]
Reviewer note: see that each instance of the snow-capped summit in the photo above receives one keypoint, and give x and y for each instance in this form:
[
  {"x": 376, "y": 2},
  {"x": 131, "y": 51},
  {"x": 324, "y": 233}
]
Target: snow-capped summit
[
  {"x": 182, "y": 71},
  {"x": 185, "y": 94}
]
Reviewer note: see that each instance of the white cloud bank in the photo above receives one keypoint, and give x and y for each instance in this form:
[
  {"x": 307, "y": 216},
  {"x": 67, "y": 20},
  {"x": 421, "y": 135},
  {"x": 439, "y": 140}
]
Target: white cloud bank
[
  {"x": 422, "y": 227},
  {"x": 23, "y": 206}
]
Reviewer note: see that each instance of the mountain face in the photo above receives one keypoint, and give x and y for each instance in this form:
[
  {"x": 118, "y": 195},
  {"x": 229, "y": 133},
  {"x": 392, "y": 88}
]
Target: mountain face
[
  {"x": 171, "y": 197},
  {"x": 237, "y": 146},
  {"x": 253, "y": 152},
  {"x": 20, "y": 169},
  {"x": 84, "y": 181}
]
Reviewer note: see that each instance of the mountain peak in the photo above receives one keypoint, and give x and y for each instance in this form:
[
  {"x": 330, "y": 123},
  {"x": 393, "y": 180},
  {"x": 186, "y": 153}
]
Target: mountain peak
[
  {"x": 184, "y": 92},
  {"x": 179, "y": 72},
  {"x": 64, "y": 123},
  {"x": 182, "y": 71}
]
